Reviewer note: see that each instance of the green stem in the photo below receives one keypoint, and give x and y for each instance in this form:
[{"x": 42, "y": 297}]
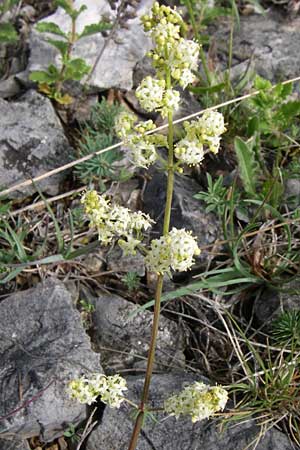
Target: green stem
[
  {"x": 159, "y": 285},
  {"x": 197, "y": 36},
  {"x": 71, "y": 42}
]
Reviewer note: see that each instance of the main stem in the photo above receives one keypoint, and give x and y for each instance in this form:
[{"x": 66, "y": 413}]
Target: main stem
[{"x": 159, "y": 285}]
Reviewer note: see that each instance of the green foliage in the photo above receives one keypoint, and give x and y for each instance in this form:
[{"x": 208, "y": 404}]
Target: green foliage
[
  {"x": 95, "y": 28},
  {"x": 248, "y": 166},
  {"x": 286, "y": 329},
  {"x": 50, "y": 27},
  {"x": 72, "y": 434},
  {"x": 8, "y": 32},
  {"x": 52, "y": 79},
  {"x": 215, "y": 197},
  {"x": 131, "y": 281},
  {"x": 98, "y": 133},
  {"x": 86, "y": 306}
]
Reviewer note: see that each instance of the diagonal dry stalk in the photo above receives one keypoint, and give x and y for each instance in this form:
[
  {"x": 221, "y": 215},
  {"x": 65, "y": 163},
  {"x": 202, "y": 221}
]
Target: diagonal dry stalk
[{"x": 59, "y": 169}]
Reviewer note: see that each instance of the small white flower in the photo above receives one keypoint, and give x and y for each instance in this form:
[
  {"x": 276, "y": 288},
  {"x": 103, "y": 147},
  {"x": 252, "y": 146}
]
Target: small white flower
[
  {"x": 150, "y": 93},
  {"x": 212, "y": 123},
  {"x": 124, "y": 123},
  {"x": 170, "y": 102},
  {"x": 129, "y": 246},
  {"x": 198, "y": 400},
  {"x": 110, "y": 388},
  {"x": 186, "y": 77},
  {"x": 175, "y": 250},
  {"x": 143, "y": 153},
  {"x": 189, "y": 152},
  {"x": 183, "y": 248},
  {"x": 213, "y": 143}
]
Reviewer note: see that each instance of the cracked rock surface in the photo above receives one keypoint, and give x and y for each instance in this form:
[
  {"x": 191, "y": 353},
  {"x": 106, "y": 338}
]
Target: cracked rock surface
[
  {"x": 123, "y": 338},
  {"x": 114, "y": 431},
  {"x": 42, "y": 347},
  {"x": 271, "y": 42},
  {"x": 32, "y": 141}
]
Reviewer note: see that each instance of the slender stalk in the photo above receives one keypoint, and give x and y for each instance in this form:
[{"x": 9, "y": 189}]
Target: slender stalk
[
  {"x": 159, "y": 284},
  {"x": 71, "y": 42},
  {"x": 196, "y": 34}
]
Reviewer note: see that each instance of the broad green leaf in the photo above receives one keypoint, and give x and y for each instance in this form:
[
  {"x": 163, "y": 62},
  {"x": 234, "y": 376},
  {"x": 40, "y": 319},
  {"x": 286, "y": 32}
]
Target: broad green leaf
[
  {"x": 95, "y": 28},
  {"x": 8, "y": 33},
  {"x": 76, "y": 69},
  {"x": 247, "y": 165},
  {"x": 50, "y": 27},
  {"x": 49, "y": 76},
  {"x": 62, "y": 46}
]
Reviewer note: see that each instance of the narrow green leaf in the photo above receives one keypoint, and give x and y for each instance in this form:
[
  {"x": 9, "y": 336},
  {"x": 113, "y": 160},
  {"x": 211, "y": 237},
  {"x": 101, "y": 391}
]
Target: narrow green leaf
[
  {"x": 248, "y": 166},
  {"x": 207, "y": 89}
]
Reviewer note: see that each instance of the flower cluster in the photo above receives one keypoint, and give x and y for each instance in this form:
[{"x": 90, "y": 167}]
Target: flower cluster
[
  {"x": 171, "y": 49},
  {"x": 175, "y": 250},
  {"x": 203, "y": 132},
  {"x": 110, "y": 388},
  {"x": 141, "y": 145},
  {"x": 197, "y": 400},
  {"x": 115, "y": 221},
  {"x": 153, "y": 96}
]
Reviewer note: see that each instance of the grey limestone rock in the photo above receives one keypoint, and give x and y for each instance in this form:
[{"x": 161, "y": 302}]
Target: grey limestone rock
[
  {"x": 187, "y": 212},
  {"x": 13, "y": 445},
  {"x": 272, "y": 43},
  {"x": 114, "y": 431},
  {"x": 117, "y": 329},
  {"x": 42, "y": 347},
  {"x": 115, "y": 69},
  {"x": 32, "y": 141}
]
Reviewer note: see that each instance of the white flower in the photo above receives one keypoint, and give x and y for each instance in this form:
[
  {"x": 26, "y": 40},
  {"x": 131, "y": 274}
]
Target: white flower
[
  {"x": 143, "y": 152},
  {"x": 186, "y": 78},
  {"x": 212, "y": 123},
  {"x": 114, "y": 220},
  {"x": 158, "y": 258},
  {"x": 110, "y": 388},
  {"x": 150, "y": 93},
  {"x": 189, "y": 152},
  {"x": 213, "y": 143},
  {"x": 183, "y": 248},
  {"x": 175, "y": 250},
  {"x": 170, "y": 102},
  {"x": 198, "y": 400},
  {"x": 129, "y": 246},
  {"x": 140, "y": 221},
  {"x": 187, "y": 52},
  {"x": 124, "y": 123}
]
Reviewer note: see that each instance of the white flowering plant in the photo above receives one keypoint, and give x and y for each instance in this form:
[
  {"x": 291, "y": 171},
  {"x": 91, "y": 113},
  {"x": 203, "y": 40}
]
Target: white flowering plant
[{"x": 175, "y": 60}]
